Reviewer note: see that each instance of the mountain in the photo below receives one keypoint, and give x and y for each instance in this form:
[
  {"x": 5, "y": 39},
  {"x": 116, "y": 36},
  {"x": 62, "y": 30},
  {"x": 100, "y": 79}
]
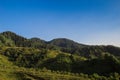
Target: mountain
[
  {"x": 58, "y": 59},
  {"x": 18, "y": 40},
  {"x": 36, "y": 42},
  {"x": 65, "y": 43},
  {"x": 9, "y": 38}
]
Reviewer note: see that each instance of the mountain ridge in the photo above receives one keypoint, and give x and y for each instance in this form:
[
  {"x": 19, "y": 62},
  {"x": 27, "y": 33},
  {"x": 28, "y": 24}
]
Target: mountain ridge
[
  {"x": 62, "y": 44},
  {"x": 34, "y": 57},
  {"x": 42, "y": 40}
]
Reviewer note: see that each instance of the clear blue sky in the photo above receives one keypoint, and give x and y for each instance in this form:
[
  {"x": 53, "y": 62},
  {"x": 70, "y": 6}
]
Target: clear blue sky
[{"x": 84, "y": 21}]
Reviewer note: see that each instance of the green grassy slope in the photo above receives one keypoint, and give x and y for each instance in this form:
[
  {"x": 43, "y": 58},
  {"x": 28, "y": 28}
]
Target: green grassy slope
[{"x": 8, "y": 71}]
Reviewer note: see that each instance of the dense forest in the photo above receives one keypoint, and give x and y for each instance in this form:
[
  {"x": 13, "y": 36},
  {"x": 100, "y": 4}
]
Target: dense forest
[{"x": 58, "y": 59}]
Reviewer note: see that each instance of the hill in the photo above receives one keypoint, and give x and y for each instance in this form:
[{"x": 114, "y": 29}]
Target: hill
[
  {"x": 58, "y": 59},
  {"x": 65, "y": 45}
]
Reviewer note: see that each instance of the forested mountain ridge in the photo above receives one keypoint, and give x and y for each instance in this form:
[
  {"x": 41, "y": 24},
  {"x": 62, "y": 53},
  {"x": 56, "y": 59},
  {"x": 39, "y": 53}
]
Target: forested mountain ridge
[
  {"x": 52, "y": 60},
  {"x": 9, "y": 38},
  {"x": 61, "y": 42}
]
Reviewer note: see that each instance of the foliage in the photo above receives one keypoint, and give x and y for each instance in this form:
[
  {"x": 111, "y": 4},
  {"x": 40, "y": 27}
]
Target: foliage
[{"x": 59, "y": 59}]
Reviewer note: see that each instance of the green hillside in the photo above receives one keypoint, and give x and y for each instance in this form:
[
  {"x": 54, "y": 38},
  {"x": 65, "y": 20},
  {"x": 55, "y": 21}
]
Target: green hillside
[{"x": 59, "y": 59}]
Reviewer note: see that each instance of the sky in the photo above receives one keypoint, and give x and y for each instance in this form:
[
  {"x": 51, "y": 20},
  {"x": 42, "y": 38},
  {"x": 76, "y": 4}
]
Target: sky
[{"x": 93, "y": 22}]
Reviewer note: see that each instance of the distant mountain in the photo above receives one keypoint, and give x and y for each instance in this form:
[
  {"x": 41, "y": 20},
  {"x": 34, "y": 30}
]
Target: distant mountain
[
  {"x": 17, "y": 39},
  {"x": 38, "y": 43},
  {"x": 66, "y": 43},
  {"x": 20, "y": 41},
  {"x": 9, "y": 38}
]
